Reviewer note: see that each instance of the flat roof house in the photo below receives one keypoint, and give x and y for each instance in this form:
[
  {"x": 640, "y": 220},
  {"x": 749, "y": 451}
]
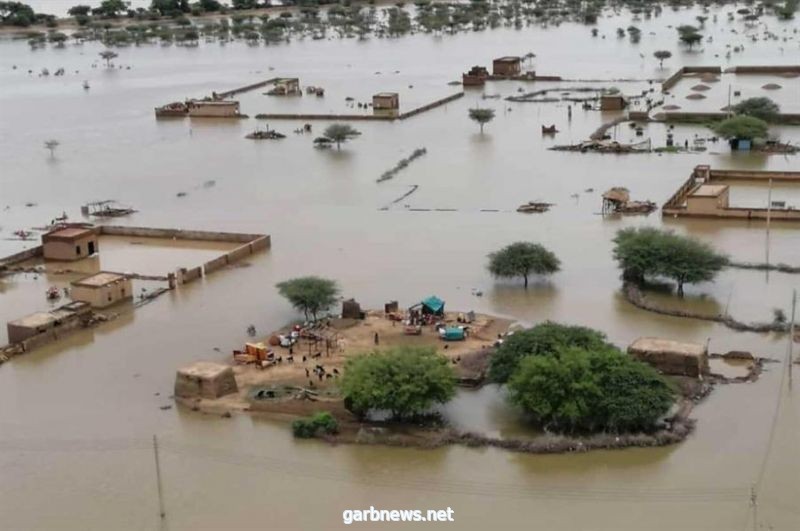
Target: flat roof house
[
  {"x": 613, "y": 102},
  {"x": 671, "y": 357},
  {"x": 507, "y": 66},
  {"x": 69, "y": 243},
  {"x": 102, "y": 289},
  {"x": 708, "y": 199},
  {"x": 386, "y": 101},
  {"x": 214, "y": 109},
  {"x": 50, "y": 323}
]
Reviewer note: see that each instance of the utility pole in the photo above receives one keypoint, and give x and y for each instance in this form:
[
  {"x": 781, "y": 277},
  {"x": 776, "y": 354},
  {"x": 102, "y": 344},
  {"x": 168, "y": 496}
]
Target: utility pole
[
  {"x": 161, "y": 511},
  {"x": 791, "y": 336},
  {"x": 754, "y": 505},
  {"x": 769, "y": 217}
]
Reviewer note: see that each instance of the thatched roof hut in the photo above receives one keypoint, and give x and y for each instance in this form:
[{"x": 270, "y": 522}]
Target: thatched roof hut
[
  {"x": 700, "y": 87},
  {"x": 771, "y": 86},
  {"x": 695, "y": 96},
  {"x": 618, "y": 194}
]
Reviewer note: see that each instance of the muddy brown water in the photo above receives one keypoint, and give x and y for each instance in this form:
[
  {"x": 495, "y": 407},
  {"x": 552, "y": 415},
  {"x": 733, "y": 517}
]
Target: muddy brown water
[{"x": 77, "y": 418}]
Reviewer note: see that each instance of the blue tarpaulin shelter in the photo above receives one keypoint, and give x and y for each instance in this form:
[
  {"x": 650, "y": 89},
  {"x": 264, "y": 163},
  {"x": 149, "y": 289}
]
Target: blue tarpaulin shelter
[{"x": 433, "y": 304}]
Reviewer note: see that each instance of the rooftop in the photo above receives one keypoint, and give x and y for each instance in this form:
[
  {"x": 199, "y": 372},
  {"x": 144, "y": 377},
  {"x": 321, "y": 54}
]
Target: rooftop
[
  {"x": 508, "y": 59},
  {"x": 709, "y": 190},
  {"x": 203, "y": 370},
  {"x": 69, "y": 233},
  {"x": 656, "y": 345},
  {"x": 34, "y": 320},
  {"x": 385, "y": 95},
  {"x": 98, "y": 280}
]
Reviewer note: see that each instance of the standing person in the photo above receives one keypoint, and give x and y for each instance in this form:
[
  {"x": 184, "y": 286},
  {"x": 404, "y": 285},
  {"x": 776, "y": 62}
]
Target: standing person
[{"x": 377, "y": 340}]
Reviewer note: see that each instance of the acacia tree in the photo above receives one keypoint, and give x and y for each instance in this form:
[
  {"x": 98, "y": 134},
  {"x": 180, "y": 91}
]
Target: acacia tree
[
  {"x": 761, "y": 108},
  {"x": 406, "y": 381},
  {"x": 340, "y": 133},
  {"x": 51, "y": 146},
  {"x": 310, "y": 295},
  {"x": 481, "y": 116},
  {"x": 108, "y": 55},
  {"x": 662, "y": 55},
  {"x": 647, "y": 251},
  {"x": 689, "y": 35},
  {"x": 522, "y": 259}
]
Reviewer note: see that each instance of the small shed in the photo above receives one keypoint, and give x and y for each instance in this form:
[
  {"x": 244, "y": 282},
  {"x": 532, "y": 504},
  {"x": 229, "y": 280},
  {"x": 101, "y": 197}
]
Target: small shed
[
  {"x": 286, "y": 86},
  {"x": 671, "y": 357},
  {"x": 613, "y": 102},
  {"x": 102, "y": 289},
  {"x": 205, "y": 379},
  {"x": 351, "y": 310},
  {"x": 386, "y": 101},
  {"x": 708, "y": 199},
  {"x": 508, "y": 66},
  {"x": 69, "y": 243}
]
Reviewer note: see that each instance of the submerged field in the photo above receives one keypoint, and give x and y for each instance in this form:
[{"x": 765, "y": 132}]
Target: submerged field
[{"x": 77, "y": 418}]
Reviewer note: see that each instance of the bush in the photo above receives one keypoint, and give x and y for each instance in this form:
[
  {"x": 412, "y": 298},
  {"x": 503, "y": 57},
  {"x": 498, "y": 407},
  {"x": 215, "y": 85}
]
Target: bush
[
  {"x": 581, "y": 390},
  {"x": 405, "y": 381},
  {"x": 544, "y": 339},
  {"x": 320, "y": 423}
]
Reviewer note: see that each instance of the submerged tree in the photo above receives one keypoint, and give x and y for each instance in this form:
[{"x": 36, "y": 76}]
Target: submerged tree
[
  {"x": 743, "y": 127},
  {"x": 51, "y": 145},
  {"x": 522, "y": 259},
  {"x": 108, "y": 55},
  {"x": 405, "y": 381},
  {"x": 761, "y": 108},
  {"x": 662, "y": 55},
  {"x": 689, "y": 35},
  {"x": 647, "y": 251},
  {"x": 481, "y": 116},
  {"x": 340, "y": 133},
  {"x": 310, "y": 295}
]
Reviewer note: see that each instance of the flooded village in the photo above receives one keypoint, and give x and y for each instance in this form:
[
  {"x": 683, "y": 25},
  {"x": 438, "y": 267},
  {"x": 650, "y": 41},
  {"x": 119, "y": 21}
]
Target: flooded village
[{"x": 534, "y": 262}]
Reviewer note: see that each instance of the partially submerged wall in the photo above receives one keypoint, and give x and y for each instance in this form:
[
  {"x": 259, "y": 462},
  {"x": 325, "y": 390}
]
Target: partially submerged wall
[
  {"x": 181, "y": 234},
  {"x": 21, "y": 256}
]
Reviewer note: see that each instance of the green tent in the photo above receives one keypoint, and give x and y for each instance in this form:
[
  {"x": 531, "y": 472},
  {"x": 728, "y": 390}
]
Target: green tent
[{"x": 453, "y": 333}]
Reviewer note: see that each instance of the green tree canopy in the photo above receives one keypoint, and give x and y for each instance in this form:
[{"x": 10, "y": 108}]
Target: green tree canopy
[
  {"x": 544, "y": 339},
  {"x": 481, "y": 116},
  {"x": 405, "y": 381},
  {"x": 761, "y": 108},
  {"x": 689, "y": 35},
  {"x": 648, "y": 251},
  {"x": 581, "y": 390},
  {"x": 746, "y": 127},
  {"x": 340, "y": 133},
  {"x": 78, "y": 10},
  {"x": 310, "y": 295},
  {"x": 110, "y": 8},
  {"x": 16, "y": 14},
  {"x": 522, "y": 259}
]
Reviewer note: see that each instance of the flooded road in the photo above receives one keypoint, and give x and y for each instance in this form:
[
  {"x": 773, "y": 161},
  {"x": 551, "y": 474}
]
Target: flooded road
[{"x": 77, "y": 418}]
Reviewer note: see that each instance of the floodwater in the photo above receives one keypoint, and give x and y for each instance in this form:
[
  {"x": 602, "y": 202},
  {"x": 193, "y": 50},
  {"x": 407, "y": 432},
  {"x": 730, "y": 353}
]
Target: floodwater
[{"x": 77, "y": 418}]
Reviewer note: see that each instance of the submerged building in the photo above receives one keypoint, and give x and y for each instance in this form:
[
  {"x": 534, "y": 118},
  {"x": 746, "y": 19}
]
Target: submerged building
[
  {"x": 102, "y": 289},
  {"x": 69, "y": 243}
]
